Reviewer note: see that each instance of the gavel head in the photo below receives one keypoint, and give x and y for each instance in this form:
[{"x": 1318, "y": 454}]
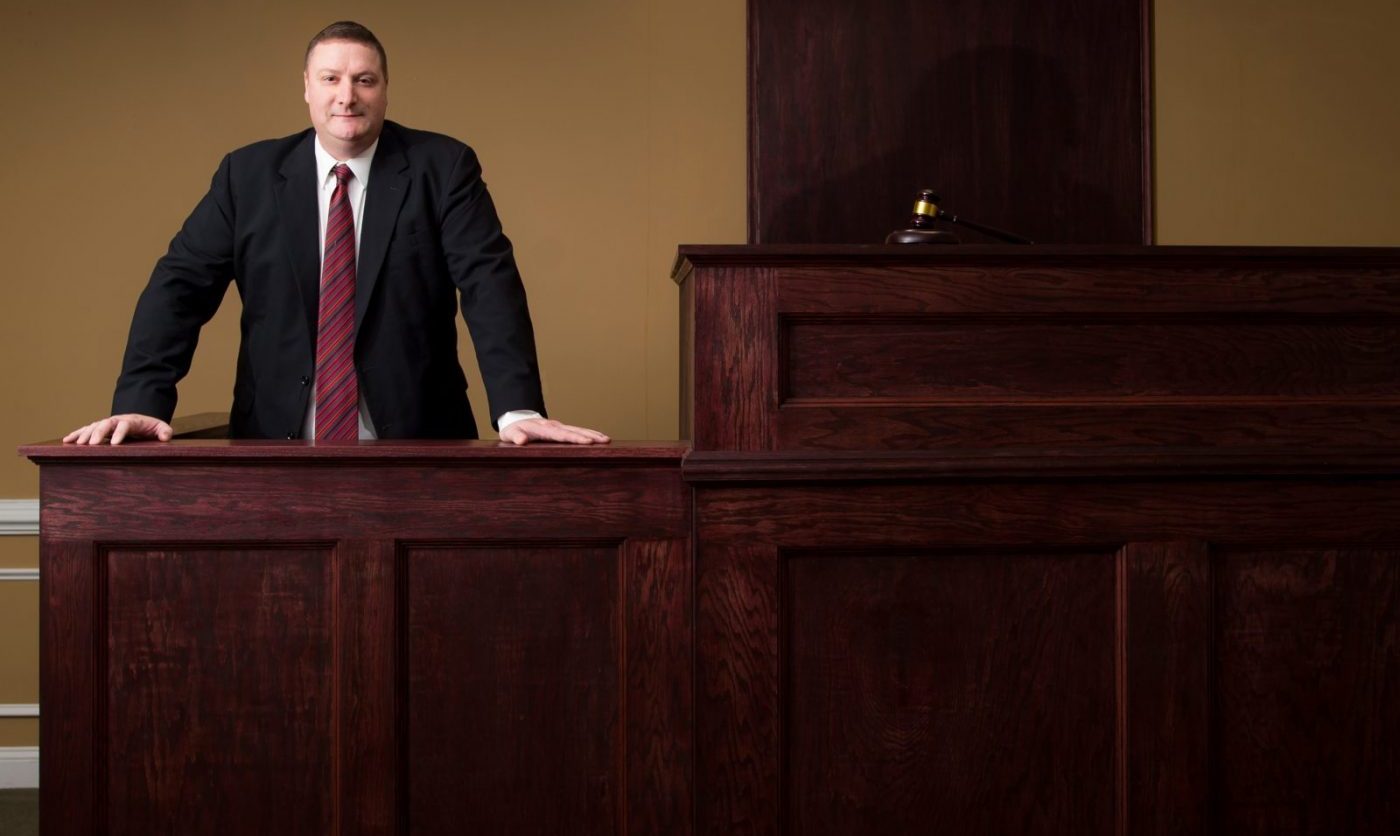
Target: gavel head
[{"x": 925, "y": 209}]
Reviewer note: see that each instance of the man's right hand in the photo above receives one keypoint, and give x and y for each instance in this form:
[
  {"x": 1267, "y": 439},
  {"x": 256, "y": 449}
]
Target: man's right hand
[{"x": 120, "y": 427}]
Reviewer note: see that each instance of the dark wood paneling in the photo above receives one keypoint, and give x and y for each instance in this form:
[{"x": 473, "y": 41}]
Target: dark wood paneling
[
  {"x": 1308, "y": 650},
  {"x": 736, "y": 385},
  {"x": 975, "y": 690},
  {"x": 922, "y": 360},
  {"x": 1167, "y": 648},
  {"x": 69, "y": 617},
  {"x": 234, "y": 641},
  {"x": 737, "y": 661},
  {"x": 1030, "y": 116},
  {"x": 1036, "y": 426},
  {"x": 366, "y": 756},
  {"x": 513, "y": 689},
  {"x": 1154, "y": 281},
  {"x": 1247, "y": 686},
  {"x": 659, "y": 693},
  {"x": 342, "y": 499},
  {"x": 186, "y": 634},
  {"x": 1041, "y": 509},
  {"x": 878, "y": 349}
]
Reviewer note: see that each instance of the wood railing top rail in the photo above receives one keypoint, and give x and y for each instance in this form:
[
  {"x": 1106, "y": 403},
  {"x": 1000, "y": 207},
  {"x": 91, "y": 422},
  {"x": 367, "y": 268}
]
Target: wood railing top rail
[
  {"x": 690, "y": 255},
  {"x": 385, "y": 451}
]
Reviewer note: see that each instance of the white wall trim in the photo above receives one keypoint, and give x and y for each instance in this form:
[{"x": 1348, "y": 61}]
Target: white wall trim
[
  {"x": 19, "y": 767},
  {"x": 19, "y": 517},
  {"x": 19, "y": 709},
  {"x": 19, "y": 574}
]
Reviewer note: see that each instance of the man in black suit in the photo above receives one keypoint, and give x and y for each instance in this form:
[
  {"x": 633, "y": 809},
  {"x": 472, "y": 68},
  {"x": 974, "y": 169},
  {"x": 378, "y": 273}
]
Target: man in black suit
[{"x": 425, "y": 231}]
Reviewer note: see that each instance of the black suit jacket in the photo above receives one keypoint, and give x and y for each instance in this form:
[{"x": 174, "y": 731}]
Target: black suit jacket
[{"x": 429, "y": 234}]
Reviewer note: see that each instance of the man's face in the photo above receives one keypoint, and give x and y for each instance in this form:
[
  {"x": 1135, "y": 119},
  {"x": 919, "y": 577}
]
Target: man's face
[{"x": 347, "y": 95}]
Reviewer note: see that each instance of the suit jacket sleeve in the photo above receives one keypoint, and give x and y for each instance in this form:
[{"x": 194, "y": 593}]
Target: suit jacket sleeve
[
  {"x": 184, "y": 292},
  {"x": 482, "y": 265}
]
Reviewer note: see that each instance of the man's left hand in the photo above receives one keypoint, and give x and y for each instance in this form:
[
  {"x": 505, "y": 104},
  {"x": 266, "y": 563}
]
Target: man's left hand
[{"x": 545, "y": 429}]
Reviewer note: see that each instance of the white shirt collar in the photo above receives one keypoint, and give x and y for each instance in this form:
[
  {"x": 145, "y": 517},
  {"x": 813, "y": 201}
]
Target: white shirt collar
[{"x": 359, "y": 165}]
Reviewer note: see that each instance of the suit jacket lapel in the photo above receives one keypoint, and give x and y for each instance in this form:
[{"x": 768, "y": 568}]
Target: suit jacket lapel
[
  {"x": 296, "y": 204},
  {"x": 388, "y": 184}
]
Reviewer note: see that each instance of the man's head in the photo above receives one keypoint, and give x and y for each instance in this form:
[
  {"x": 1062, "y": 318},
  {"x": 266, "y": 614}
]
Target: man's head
[{"x": 346, "y": 77}]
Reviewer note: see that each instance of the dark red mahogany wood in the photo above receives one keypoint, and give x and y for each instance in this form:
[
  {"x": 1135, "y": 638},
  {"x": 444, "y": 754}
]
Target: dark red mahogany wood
[
  {"x": 897, "y": 348},
  {"x": 378, "y": 638},
  {"x": 1045, "y": 540},
  {"x": 1031, "y": 116}
]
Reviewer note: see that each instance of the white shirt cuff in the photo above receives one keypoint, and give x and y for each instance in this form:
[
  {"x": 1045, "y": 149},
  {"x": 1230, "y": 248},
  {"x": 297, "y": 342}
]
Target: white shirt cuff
[{"x": 513, "y": 416}]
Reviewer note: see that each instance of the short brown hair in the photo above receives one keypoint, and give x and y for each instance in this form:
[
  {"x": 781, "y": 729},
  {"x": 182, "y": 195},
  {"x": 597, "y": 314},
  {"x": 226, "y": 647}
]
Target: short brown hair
[{"x": 349, "y": 30}]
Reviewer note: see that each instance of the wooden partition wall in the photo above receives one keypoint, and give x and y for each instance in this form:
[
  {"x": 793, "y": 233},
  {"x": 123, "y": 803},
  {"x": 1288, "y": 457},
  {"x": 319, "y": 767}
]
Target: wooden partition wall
[
  {"x": 1045, "y": 540},
  {"x": 1030, "y": 116},
  {"x": 280, "y": 638},
  {"x": 1007, "y": 540}
]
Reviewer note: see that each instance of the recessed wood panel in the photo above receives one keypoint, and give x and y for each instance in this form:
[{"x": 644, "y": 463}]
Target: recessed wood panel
[
  {"x": 513, "y": 689},
  {"x": 1075, "y": 357},
  {"x": 905, "y": 426},
  {"x": 1307, "y": 732},
  {"x": 195, "y": 700},
  {"x": 975, "y": 690}
]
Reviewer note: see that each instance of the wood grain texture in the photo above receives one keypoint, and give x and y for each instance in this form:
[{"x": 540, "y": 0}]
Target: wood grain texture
[
  {"x": 736, "y": 352},
  {"x": 1147, "y": 281},
  {"x": 659, "y": 746},
  {"x": 187, "y": 635},
  {"x": 390, "y": 453},
  {"x": 1076, "y": 423},
  {"x": 70, "y": 690},
  {"x": 151, "y": 499},
  {"x": 1139, "y": 464},
  {"x": 514, "y": 698},
  {"x": 1309, "y": 658},
  {"x": 737, "y": 663},
  {"x": 1168, "y": 686},
  {"x": 1028, "y": 116},
  {"x": 881, "y": 349},
  {"x": 687, "y": 359},
  {"x": 971, "y": 689},
  {"x": 934, "y": 361},
  {"x": 1060, "y": 512},
  {"x": 201, "y": 582},
  {"x": 1255, "y": 680},
  {"x": 367, "y": 781}
]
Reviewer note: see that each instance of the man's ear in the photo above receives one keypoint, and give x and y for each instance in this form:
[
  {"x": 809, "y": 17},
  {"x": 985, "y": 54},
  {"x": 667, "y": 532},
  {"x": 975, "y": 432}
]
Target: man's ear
[{"x": 306, "y": 87}]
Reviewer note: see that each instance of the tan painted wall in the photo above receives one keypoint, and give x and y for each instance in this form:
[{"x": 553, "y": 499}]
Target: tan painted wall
[
  {"x": 611, "y": 131},
  {"x": 1277, "y": 122}
]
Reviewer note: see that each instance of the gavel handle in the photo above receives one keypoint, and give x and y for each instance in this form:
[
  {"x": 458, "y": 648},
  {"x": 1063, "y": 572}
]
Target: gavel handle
[{"x": 1009, "y": 237}]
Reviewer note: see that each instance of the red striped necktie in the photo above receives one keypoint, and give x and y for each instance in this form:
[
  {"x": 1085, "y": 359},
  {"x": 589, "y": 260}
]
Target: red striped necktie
[{"x": 337, "y": 392}]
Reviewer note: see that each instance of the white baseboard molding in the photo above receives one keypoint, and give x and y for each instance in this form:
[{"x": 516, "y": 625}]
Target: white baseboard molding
[
  {"x": 19, "y": 767},
  {"x": 19, "y": 517}
]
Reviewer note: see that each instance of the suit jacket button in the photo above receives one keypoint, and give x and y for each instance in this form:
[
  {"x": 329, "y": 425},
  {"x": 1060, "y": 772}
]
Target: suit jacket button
[
  {"x": 291, "y": 436},
  {"x": 305, "y": 381}
]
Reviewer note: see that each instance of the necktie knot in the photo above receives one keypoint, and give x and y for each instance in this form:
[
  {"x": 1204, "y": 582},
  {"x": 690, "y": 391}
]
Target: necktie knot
[{"x": 342, "y": 173}]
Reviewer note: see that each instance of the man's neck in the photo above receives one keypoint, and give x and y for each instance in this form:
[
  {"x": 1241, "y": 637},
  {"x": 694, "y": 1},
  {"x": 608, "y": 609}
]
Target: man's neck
[{"x": 343, "y": 151}]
